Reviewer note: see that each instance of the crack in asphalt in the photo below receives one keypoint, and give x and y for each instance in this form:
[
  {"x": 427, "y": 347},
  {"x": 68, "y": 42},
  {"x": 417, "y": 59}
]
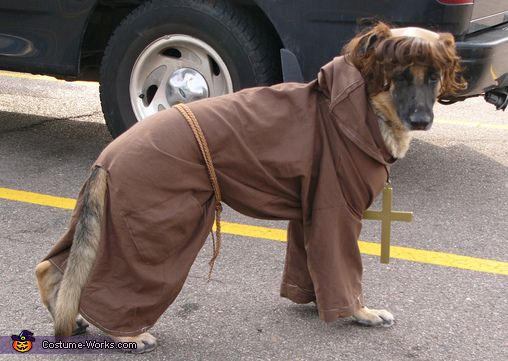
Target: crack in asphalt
[{"x": 48, "y": 120}]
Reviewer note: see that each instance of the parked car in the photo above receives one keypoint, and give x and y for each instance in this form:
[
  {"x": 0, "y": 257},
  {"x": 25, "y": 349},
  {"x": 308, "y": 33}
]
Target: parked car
[{"x": 150, "y": 54}]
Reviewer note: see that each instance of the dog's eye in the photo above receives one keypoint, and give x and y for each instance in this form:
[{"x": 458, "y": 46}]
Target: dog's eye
[
  {"x": 399, "y": 77},
  {"x": 433, "y": 77},
  {"x": 404, "y": 76}
]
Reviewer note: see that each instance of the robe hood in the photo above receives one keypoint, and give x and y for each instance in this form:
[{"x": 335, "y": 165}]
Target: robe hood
[{"x": 342, "y": 84}]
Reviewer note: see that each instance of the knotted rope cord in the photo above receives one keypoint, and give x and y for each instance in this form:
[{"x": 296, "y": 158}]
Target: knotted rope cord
[{"x": 205, "y": 151}]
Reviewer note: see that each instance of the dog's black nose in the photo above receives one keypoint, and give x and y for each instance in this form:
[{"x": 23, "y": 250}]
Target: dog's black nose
[{"x": 421, "y": 120}]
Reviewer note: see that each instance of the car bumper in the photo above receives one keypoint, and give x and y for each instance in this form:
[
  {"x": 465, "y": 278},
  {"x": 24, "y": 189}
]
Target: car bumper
[{"x": 485, "y": 59}]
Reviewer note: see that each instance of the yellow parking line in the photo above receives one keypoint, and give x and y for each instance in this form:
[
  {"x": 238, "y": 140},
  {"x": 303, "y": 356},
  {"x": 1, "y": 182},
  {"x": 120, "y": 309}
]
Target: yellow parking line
[
  {"x": 37, "y": 198},
  {"x": 274, "y": 234},
  {"x": 470, "y": 124},
  {"x": 374, "y": 249}
]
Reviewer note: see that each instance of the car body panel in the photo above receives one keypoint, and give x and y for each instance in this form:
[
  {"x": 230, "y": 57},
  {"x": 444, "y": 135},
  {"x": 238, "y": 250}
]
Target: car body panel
[
  {"x": 488, "y": 13},
  {"x": 316, "y": 34},
  {"x": 43, "y": 36}
]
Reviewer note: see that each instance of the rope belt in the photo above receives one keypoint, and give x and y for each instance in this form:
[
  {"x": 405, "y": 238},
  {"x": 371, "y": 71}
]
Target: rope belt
[{"x": 205, "y": 152}]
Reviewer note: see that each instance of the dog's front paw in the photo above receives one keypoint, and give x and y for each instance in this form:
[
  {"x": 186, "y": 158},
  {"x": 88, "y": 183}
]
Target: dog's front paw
[
  {"x": 368, "y": 317},
  {"x": 145, "y": 342},
  {"x": 81, "y": 326}
]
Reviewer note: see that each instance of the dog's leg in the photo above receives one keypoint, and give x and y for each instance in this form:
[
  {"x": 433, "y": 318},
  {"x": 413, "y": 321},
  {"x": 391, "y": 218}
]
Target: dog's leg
[
  {"x": 146, "y": 342},
  {"x": 369, "y": 317},
  {"x": 48, "y": 281}
]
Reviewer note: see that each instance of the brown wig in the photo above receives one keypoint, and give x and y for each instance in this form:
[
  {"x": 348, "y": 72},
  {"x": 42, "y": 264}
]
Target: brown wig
[{"x": 376, "y": 53}]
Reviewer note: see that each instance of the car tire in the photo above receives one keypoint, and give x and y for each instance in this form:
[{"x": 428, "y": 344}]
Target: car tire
[{"x": 166, "y": 52}]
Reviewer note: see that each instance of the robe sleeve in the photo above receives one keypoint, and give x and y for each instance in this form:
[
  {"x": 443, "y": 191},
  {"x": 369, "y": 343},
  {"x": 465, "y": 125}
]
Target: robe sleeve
[
  {"x": 334, "y": 261},
  {"x": 323, "y": 257}
]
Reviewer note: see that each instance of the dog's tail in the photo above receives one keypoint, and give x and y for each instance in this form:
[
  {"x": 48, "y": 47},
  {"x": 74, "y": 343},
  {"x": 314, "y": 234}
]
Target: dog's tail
[{"x": 82, "y": 253}]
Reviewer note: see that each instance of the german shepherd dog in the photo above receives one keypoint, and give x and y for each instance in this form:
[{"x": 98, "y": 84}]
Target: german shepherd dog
[{"x": 404, "y": 78}]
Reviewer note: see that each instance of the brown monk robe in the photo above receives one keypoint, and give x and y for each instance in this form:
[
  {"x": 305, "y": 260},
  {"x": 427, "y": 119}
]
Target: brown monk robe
[{"x": 309, "y": 153}]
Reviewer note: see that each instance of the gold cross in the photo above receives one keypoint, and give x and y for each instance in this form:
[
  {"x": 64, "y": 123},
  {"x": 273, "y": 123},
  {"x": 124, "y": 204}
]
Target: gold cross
[{"x": 387, "y": 216}]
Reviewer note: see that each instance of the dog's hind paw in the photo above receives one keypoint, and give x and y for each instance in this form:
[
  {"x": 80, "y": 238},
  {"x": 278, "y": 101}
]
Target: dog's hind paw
[
  {"x": 369, "y": 317},
  {"x": 145, "y": 342}
]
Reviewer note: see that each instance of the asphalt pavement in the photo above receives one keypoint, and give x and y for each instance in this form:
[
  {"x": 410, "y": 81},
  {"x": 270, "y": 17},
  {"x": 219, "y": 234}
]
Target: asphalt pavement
[{"x": 454, "y": 179}]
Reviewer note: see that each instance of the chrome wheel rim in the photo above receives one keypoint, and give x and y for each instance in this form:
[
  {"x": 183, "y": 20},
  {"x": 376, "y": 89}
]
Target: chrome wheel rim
[{"x": 176, "y": 69}]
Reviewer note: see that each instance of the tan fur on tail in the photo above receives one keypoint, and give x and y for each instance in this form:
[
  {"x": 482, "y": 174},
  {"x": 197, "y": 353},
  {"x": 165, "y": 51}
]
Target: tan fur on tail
[{"x": 82, "y": 254}]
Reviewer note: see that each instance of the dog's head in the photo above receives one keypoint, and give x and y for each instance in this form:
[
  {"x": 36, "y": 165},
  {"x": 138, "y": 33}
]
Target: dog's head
[{"x": 406, "y": 70}]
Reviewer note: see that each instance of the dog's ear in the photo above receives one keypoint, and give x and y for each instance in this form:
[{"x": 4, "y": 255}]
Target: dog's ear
[
  {"x": 366, "y": 26},
  {"x": 368, "y": 38},
  {"x": 360, "y": 52},
  {"x": 371, "y": 42}
]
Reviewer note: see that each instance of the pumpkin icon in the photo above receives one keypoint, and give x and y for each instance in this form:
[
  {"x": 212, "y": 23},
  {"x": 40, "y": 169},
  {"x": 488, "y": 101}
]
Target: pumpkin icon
[{"x": 23, "y": 341}]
